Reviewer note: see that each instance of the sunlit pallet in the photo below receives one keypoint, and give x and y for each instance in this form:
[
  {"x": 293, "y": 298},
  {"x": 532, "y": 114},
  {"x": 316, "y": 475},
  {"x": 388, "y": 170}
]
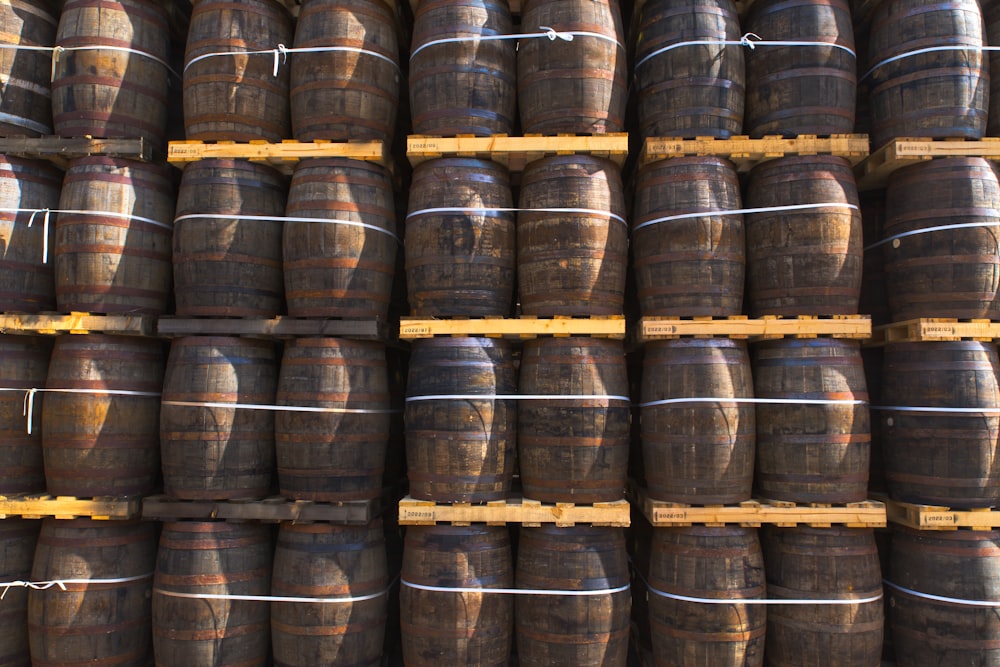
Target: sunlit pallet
[
  {"x": 60, "y": 150},
  {"x": 411, "y": 328},
  {"x": 77, "y": 323},
  {"x": 745, "y": 152},
  {"x": 278, "y": 327},
  {"x": 742, "y": 327},
  {"x": 274, "y": 509},
  {"x": 874, "y": 172},
  {"x": 516, "y": 152},
  {"x": 935, "y": 328},
  {"x": 282, "y": 156},
  {"x": 938, "y": 517},
  {"x": 515, "y": 509},
  {"x": 32, "y": 506}
]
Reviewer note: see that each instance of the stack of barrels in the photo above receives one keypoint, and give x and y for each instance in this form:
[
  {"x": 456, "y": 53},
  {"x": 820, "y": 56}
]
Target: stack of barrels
[
  {"x": 481, "y": 412},
  {"x": 786, "y": 419}
]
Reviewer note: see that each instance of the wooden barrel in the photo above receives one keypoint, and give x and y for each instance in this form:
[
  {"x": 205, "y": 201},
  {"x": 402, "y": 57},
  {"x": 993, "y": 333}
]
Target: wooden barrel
[
  {"x": 351, "y": 92},
  {"x": 229, "y": 266},
  {"x": 926, "y": 631},
  {"x": 113, "y": 238},
  {"x": 198, "y": 558},
  {"x": 26, "y": 107},
  {"x": 210, "y": 452},
  {"x": 27, "y": 276},
  {"x": 101, "y": 415},
  {"x": 698, "y": 452},
  {"x": 121, "y": 88},
  {"x": 574, "y": 446},
  {"x": 328, "y": 562},
  {"x": 24, "y": 364},
  {"x": 794, "y": 90},
  {"x": 941, "y": 458},
  {"x": 572, "y": 629},
  {"x": 94, "y": 623},
  {"x": 694, "y": 90},
  {"x": 947, "y": 272},
  {"x": 460, "y": 263},
  {"x": 341, "y": 265},
  {"x": 466, "y": 86},
  {"x": 688, "y": 266},
  {"x": 940, "y": 94},
  {"x": 806, "y": 261},
  {"x": 17, "y": 550},
  {"x": 236, "y": 97},
  {"x": 577, "y": 86},
  {"x": 458, "y": 449},
  {"x": 572, "y": 262},
  {"x": 707, "y": 563},
  {"x": 812, "y": 453},
  {"x": 336, "y": 455},
  {"x": 445, "y": 628},
  {"x": 835, "y": 563}
]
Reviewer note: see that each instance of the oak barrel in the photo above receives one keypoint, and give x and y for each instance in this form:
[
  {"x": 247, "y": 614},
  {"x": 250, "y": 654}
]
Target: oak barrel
[
  {"x": 236, "y": 97},
  {"x": 944, "y": 272},
  {"x": 460, "y": 449},
  {"x": 114, "y": 236},
  {"x": 228, "y": 263},
  {"x": 340, "y": 565},
  {"x": 24, "y": 365},
  {"x": 340, "y": 454},
  {"x": 119, "y": 89},
  {"x": 27, "y": 275},
  {"x": 197, "y": 558},
  {"x": 211, "y": 452},
  {"x": 689, "y": 265},
  {"x": 574, "y": 446},
  {"x": 101, "y": 415},
  {"x": 812, "y": 452},
  {"x": 707, "y": 563},
  {"x": 698, "y": 451},
  {"x": 938, "y": 94},
  {"x": 806, "y": 261},
  {"x": 465, "y": 86},
  {"x": 553, "y": 629},
  {"x": 26, "y": 104},
  {"x": 957, "y": 565},
  {"x": 793, "y": 90},
  {"x": 342, "y": 264},
  {"x": 577, "y": 86},
  {"x": 689, "y": 90},
  {"x": 834, "y": 564},
  {"x": 17, "y": 550},
  {"x": 572, "y": 261},
  {"x": 107, "y": 622},
  {"x": 941, "y": 457},
  {"x": 460, "y": 262},
  {"x": 351, "y": 92},
  {"x": 450, "y": 628}
]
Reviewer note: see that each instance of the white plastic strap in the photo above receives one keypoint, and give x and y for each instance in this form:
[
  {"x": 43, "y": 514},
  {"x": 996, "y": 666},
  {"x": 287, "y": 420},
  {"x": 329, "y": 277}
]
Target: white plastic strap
[
  {"x": 549, "y": 33},
  {"x": 21, "y": 121},
  {"x": 278, "y": 408},
  {"x": 518, "y": 397},
  {"x": 270, "y": 218},
  {"x": 929, "y": 49},
  {"x": 57, "y": 52},
  {"x": 349, "y": 49},
  {"x": 762, "y": 601},
  {"x": 475, "y": 209},
  {"x": 766, "y": 401},
  {"x": 271, "y": 598},
  {"x": 749, "y": 40},
  {"x": 29, "y": 396},
  {"x": 517, "y": 591},
  {"x": 927, "y": 230},
  {"x": 742, "y": 211},
  {"x": 941, "y": 598},
  {"x": 45, "y": 227},
  {"x": 111, "y": 214},
  {"x": 62, "y": 583},
  {"x": 910, "y": 408},
  {"x": 280, "y": 54}
]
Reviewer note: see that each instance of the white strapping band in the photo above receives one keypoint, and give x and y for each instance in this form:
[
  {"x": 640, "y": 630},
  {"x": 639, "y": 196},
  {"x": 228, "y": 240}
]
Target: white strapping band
[
  {"x": 476, "y": 209},
  {"x": 941, "y": 598},
  {"x": 21, "y": 121},
  {"x": 516, "y": 591},
  {"x": 280, "y": 54},
  {"x": 762, "y": 601},
  {"x": 749, "y": 40},
  {"x": 742, "y": 211},
  {"x": 57, "y": 52},
  {"x": 929, "y": 49},
  {"x": 549, "y": 33},
  {"x": 927, "y": 230},
  {"x": 271, "y": 598},
  {"x": 766, "y": 401},
  {"x": 279, "y": 408},
  {"x": 270, "y": 218},
  {"x": 945, "y": 410},
  {"x": 62, "y": 583},
  {"x": 348, "y": 49},
  {"x": 29, "y": 396},
  {"x": 518, "y": 397}
]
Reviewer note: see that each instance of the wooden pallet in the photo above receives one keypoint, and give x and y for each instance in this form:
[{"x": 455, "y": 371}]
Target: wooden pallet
[
  {"x": 754, "y": 513},
  {"x": 935, "y": 328},
  {"x": 411, "y": 328},
  {"x": 939, "y": 517},
  {"x": 765, "y": 328},
  {"x": 60, "y": 150},
  {"x": 278, "y": 327},
  {"x": 274, "y": 509},
  {"x": 516, "y": 152},
  {"x": 283, "y": 156},
  {"x": 31, "y": 506},
  {"x": 515, "y": 509},
  {"x": 873, "y": 173},
  {"x": 745, "y": 152},
  {"x": 77, "y": 323}
]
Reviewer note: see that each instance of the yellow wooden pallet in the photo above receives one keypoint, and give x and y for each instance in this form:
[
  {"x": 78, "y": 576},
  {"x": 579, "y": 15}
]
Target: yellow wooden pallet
[
  {"x": 873, "y": 173},
  {"x": 278, "y": 327},
  {"x": 273, "y": 509},
  {"x": 745, "y": 152},
  {"x": 69, "y": 507},
  {"x": 935, "y": 328},
  {"x": 515, "y": 509},
  {"x": 411, "y": 328},
  {"x": 754, "y": 513},
  {"x": 77, "y": 323},
  {"x": 765, "y": 328},
  {"x": 516, "y": 152},
  {"x": 60, "y": 150},
  {"x": 283, "y": 156},
  {"x": 938, "y": 517}
]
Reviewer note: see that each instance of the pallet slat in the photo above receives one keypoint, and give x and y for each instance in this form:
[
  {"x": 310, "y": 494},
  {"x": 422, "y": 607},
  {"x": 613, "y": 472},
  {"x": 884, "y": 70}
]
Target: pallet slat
[
  {"x": 411, "y": 328},
  {"x": 513, "y": 510},
  {"x": 745, "y": 152},
  {"x": 935, "y": 328},
  {"x": 516, "y": 152},
  {"x": 937, "y": 517},
  {"x": 62, "y": 149},
  {"x": 284, "y": 155},
  {"x": 79, "y": 323},
  {"x": 840, "y": 326},
  {"x": 69, "y": 507},
  {"x": 874, "y": 172},
  {"x": 162, "y": 508}
]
